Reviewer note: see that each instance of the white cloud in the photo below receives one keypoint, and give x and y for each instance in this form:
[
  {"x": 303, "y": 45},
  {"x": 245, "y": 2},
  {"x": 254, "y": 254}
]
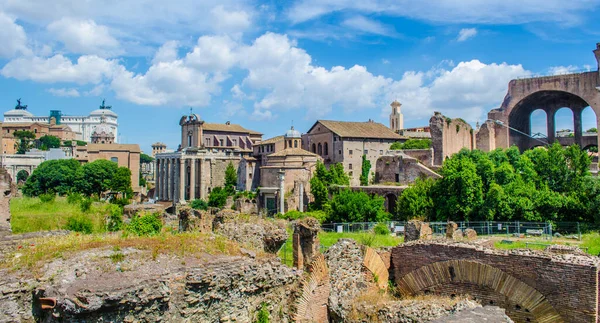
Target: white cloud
[
  {"x": 12, "y": 37},
  {"x": 366, "y": 25},
  {"x": 87, "y": 69},
  {"x": 84, "y": 37},
  {"x": 450, "y": 11},
  {"x": 213, "y": 54},
  {"x": 166, "y": 53},
  {"x": 556, "y": 70},
  {"x": 466, "y": 33},
  {"x": 64, "y": 92},
  {"x": 167, "y": 84},
  {"x": 227, "y": 20}
]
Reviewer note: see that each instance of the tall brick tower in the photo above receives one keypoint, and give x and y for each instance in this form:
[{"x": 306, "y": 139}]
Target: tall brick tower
[
  {"x": 597, "y": 53},
  {"x": 396, "y": 117}
]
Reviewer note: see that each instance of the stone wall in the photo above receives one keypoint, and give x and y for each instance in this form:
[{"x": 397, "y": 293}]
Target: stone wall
[
  {"x": 531, "y": 286},
  {"x": 425, "y": 156},
  {"x": 449, "y": 136},
  {"x": 7, "y": 190},
  {"x": 401, "y": 169}
]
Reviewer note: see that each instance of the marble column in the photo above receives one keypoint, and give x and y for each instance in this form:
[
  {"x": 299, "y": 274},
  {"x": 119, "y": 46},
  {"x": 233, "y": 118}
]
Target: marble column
[
  {"x": 182, "y": 180},
  {"x": 164, "y": 180},
  {"x": 176, "y": 181},
  {"x": 192, "y": 179},
  {"x": 281, "y": 192},
  {"x": 551, "y": 125},
  {"x": 172, "y": 180},
  {"x": 577, "y": 126},
  {"x": 156, "y": 180},
  {"x": 169, "y": 178}
]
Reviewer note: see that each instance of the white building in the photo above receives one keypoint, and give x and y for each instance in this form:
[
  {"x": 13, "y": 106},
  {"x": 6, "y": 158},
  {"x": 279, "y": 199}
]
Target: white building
[{"x": 85, "y": 125}]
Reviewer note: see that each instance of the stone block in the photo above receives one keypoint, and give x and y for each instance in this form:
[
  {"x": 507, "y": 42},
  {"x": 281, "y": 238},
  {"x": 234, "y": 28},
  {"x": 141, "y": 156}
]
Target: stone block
[
  {"x": 450, "y": 228},
  {"x": 417, "y": 230},
  {"x": 470, "y": 234},
  {"x": 457, "y": 235}
]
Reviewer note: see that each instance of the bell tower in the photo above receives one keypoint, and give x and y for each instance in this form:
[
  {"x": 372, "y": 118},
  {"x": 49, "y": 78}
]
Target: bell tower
[{"x": 396, "y": 117}]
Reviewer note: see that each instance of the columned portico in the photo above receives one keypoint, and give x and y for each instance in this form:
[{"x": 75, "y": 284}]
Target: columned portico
[{"x": 181, "y": 180}]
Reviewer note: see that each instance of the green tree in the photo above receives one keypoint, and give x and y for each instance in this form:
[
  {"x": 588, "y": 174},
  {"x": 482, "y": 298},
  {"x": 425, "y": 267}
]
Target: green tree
[
  {"x": 230, "y": 178},
  {"x": 48, "y": 141},
  {"x": 145, "y": 159},
  {"x": 594, "y": 130},
  {"x": 57, "y": 176},
  {"x": 366, "y": 168},
  {"x": 24, "y": 140},
  {"x": 459, "y": 193},
  {"x": 121, "y": 181},
  {"x": 322, "y": 181},
  {"x": 22, "y": 176},
  {"x": 415, "y": 202},
  {"x": 95, "y": 177},
  {"x": 412, "y": 144},
  {"x": 349, "y": 206},
  {"x": 396, "y": 146}
]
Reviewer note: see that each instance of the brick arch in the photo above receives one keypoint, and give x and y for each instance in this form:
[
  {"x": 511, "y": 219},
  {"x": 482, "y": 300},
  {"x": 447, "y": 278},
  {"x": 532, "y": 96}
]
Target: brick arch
[{"x": 480, "y": 276}]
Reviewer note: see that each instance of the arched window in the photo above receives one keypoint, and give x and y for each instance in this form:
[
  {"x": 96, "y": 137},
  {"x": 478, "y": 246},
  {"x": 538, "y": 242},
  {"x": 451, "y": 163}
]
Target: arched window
[
  {"x": 314, "y": 149},
  {"x": 190, "y": 141},
  {"x": 320, "y": 149},
  {"x": 290, "y": 143},
  {"x": 295, "y": 143},
  {"x": 114, "y": 159},
  {"x": 326, "y": 150}
]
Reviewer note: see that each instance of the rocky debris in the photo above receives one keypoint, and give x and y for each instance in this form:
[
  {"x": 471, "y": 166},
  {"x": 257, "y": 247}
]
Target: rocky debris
[
  {"x": 457, "y": 235},
  {"x": 470, "y": 234},
  {"x": 489, "y": 314},
  {"x": 133, "y": 209},
  {"x": 246, "y": 206},
  {"x": 347, "y": 278},
  {"x": 253, "y": 231},
  {"x": 417, "y": 230},
  {"x": 450, "y": 228},
  {"x": 417, "y": 310},
  {"x": 305, "y": 241},
  {"x": 9, "y": 243},
  {"x": 91, "y": 287},
  {"x": 562, "y": 249},
  {"x": 7, "y": 190},
  {"x": 194, "y": 220}
]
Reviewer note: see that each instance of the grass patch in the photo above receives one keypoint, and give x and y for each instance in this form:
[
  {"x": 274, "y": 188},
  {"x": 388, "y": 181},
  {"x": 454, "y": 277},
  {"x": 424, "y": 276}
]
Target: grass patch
[
  {"x": 518, "y": 245},
  {"x": 592, "y": 242},
  {"x": 31, "y": 214},
  {"x": 42, "y": 250},
  {"x": 328, "y": 239}
]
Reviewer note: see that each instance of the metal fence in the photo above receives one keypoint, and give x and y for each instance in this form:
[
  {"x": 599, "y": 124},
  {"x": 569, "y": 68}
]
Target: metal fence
[{"x": 546, "y": 230}]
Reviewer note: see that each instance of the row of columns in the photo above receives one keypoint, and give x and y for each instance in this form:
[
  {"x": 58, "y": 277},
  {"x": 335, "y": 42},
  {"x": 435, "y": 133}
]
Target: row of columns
[
  {"x": 175, "y": 178},
  {"x": 551, "y": 124}
]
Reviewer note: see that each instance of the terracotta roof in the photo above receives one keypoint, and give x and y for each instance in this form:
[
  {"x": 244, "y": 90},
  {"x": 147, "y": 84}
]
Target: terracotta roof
[
  {"x": 270, "y": 140},
  {"x": 227, "y": 128},
  {"x": 367, "y": 129},
  {"x": 292, "y": 152}
]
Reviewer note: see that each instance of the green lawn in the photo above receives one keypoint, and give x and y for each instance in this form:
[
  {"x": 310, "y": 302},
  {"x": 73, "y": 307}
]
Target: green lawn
[
  {"x": 30, "y": 214},
  {"x": 328, "y": 239}
]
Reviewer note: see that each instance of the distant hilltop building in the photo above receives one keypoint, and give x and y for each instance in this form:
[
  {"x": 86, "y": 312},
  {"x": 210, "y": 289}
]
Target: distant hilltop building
[
  {"x": 83, "y": 126},
  {"x": 396, "y": 117}
]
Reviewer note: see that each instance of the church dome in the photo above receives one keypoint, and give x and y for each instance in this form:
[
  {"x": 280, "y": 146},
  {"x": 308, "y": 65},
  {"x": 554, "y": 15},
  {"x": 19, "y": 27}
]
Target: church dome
[{"x": 292, "y": 133}]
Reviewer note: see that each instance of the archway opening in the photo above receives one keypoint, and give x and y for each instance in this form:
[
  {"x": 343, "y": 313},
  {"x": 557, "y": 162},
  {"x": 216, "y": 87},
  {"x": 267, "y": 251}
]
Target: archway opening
[
  {"x": 565, "y": 124},
  {"x": 538, "y": 121},
  {"x": 390, "y": 202},
  {"x": 588, "y": 122}
]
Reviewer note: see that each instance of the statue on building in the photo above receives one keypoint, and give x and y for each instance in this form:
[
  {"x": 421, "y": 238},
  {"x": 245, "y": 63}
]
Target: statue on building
[
  {"x": 105, "y": 107},
  {"x": 19, "y": 106}
]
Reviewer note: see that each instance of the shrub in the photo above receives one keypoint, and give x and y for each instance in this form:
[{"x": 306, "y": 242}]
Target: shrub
[
  {"x": 367, "y": 239},
  {"x": 199, "y": 204},
  {"x": 74, "y": 198},
  {"x": 120, "y": 201},
  {"x": 381, "y": 229},
  {"x": 85, "y": 204},
  {"x": 218, "y": 197},
  {"x": 47, "y": 197},
  {"x": 115, "y": 218},
  {"x": 80, "y": 223},
  {"x": 145, "y": 225},
  {"x": 263, "y": 314},
  {"x": 321, "y": 216}
]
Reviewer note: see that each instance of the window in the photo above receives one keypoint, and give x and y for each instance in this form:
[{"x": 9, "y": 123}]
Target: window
[
  {"x": 349, "y": 166},
  {"x": 290, "y": 143},
  {"x": 114, "y": 159},
  {"x": 366, "y": 151},
  {"x": 320, "y": 149},
  {"x": 221, "y": 142},
  {"x": 273, "y": 147},
  {"x": 339, "y": 152},
  {"x": 295, "y": 143},
  {"x": 326, "y": 149},
  {"x": 314, "y": 149},
  {"x": 35, "y": 130},
  {"x": 381, "y": 152},
  {"x": 234, "y": 142},
  {"x": 189, "y": 141},
  {"x": 207, "y": 141},
  {"x": 350, "y": 174},
  {"x": 350, "y": 152}
]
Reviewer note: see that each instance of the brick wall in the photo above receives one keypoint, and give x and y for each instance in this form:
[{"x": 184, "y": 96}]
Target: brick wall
[{"x": 568, "y": 284}]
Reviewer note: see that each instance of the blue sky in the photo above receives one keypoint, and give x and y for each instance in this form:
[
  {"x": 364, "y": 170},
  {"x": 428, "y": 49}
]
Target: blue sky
[{"x": 268, "y": 64}]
